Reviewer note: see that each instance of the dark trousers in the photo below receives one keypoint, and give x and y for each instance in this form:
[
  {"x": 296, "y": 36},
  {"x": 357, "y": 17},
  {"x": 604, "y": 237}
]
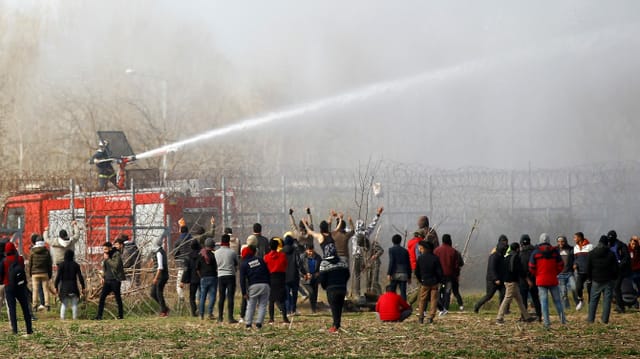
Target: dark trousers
[
  {"x": 492, "y": 288},
  {"x": 581, "y": 280},
  {"x": 226, "y": 288},
  {"x": 12, "y": 297},
  {"x": 455, "y": 288},
  {"x": 110, "y": 286},
  {"x": 525, "y": 291},
  {"x": 312, "y": 289},
  {"x": 157, "y": 293},
  {"x": 445, "y": 294},
  {"x": 278, "y": 295},
  {"x": 292, "y": 296},
  {"x": 243, "y": 307},
  {"x": 193, "y": 290},
  {"x": 403, "y": 287},
  {"x": 617, "y": 291},
  {"x": 336, "y": 301}
]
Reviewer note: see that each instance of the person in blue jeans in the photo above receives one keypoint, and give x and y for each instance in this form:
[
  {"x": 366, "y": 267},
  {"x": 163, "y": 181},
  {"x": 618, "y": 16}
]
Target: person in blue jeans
[
  {"x": 399, "y": 271},
  {"x": 545, "y": 264},
  {"x": 603, "y": 271},
  {"x": 207, "y": 269},
  {"x": 566, "y": 281}
]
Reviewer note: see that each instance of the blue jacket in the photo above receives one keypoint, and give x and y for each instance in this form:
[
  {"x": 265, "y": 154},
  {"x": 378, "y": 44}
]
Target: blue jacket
[
  {"x": 399, "y": 261},
  {"x": 253, "y": 270}
]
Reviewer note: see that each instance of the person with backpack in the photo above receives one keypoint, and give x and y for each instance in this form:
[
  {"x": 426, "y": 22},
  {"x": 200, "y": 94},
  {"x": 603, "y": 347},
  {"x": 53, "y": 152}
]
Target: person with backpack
[
  {"x": 14, "y": 278},
  {"x": 66, "y": 284}
]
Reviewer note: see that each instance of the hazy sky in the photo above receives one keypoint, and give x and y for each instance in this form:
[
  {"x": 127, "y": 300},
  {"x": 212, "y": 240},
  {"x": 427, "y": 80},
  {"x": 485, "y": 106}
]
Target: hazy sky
[{"x": 552, "y": 83}]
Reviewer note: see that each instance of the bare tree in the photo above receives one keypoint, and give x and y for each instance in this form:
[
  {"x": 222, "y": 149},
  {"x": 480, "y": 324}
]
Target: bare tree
[{"x": 364, "y": 181}]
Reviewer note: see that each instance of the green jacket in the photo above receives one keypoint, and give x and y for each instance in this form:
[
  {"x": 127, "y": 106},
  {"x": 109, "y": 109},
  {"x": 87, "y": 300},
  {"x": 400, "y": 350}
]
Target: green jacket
[
  {"x": 40, "y": 261},
  {"x": 113, "y": 267}
]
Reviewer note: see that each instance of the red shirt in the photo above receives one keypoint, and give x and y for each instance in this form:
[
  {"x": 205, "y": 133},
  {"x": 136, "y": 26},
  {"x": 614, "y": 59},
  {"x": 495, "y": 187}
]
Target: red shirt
[
  {"x": 276, "y": 262},
  {"x": 390, "y": 305}
]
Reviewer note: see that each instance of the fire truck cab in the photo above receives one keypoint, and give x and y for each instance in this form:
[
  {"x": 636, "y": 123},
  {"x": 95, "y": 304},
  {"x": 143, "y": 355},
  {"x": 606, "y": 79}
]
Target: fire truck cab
[{"x": 143, "y": 215}]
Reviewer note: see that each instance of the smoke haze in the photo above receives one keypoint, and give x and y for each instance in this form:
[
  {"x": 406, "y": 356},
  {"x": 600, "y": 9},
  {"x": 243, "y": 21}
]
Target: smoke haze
[{"x": 545, "y": 83}]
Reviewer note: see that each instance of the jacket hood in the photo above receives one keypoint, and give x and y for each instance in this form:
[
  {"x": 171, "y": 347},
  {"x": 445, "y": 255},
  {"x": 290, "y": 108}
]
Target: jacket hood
[
  {"x": 65, "y": 243},
  {"x": 546, "y": 249},
  {"x": 10, "y": 248}
]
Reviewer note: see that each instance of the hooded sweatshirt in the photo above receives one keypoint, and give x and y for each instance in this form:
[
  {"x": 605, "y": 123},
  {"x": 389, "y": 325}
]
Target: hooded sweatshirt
[
  {"x": 60, "y": 245},
  {"x": 545, "y": 264},
  {"x": 11, "y": 255},
  {"x": 581, "y": 256},
  {"x": 294, "y": 263}
]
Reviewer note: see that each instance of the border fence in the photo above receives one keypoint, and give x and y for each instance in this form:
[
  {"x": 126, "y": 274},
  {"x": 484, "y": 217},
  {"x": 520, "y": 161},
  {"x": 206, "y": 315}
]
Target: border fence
[{"x": 591, "y": 198}]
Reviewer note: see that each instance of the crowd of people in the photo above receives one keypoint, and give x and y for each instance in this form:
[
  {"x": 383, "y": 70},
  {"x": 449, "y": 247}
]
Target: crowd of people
[{"x": 272, "y": 272}]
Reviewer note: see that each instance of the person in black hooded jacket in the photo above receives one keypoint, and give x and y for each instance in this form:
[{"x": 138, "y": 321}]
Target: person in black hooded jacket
[
  {"x": 623, "y": 262},
  {"x": 528, "y": 285},
  {"x": 66, "y": 284},
  {"x": 495, "y": 276},
  {"x": 295, "y": 267},
  {"x": 190, "y": 275},
  {"x": 602, "y": 269}
]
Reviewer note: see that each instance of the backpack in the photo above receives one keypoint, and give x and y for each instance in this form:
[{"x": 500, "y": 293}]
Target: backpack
[{"x": 17, "y": 275}]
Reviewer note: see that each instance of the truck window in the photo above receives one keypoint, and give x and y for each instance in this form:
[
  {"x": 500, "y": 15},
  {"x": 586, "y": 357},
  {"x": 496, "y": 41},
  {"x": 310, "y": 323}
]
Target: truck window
[{"x": 15, "y": 218}]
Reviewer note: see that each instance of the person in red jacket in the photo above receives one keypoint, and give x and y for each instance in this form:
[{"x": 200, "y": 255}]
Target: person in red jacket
[
  {"x": 450, "y": 268},
  {"x": 15, "y": 291},
  {"x": 545, "y": 264},
  {"x": 277, "y": 263},
  {"x": 391, "y": 307}
]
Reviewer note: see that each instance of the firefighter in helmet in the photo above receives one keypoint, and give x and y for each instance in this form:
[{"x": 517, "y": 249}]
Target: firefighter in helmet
[{"x": 102, "y": 159}]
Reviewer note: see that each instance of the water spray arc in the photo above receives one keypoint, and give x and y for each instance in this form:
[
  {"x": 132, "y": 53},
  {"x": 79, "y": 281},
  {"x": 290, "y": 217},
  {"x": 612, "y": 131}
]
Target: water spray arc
[
  {"x": 560, "y": 46},
  {"x": 334, "y": 101}
]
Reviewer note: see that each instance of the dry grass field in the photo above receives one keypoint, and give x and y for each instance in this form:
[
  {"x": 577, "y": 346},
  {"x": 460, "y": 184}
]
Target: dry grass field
[{"x": 456, "y": 335}]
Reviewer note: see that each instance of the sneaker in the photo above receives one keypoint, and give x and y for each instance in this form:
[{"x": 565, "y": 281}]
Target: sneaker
[
  {"x": 212, "y": 317},
  {"x": 163, "y": 314},
  {"x": 271, "y": 321},
  {"x": 233, "y": 321},
  {"x": 247, "y": 327},
  {"x": 240, "y": 320},
  {"x": 499, "y": 321},
  {"x": 579, "y": 306},
  {"x": 527, "y": 320},
  {"x": 41, "y": 307},
  {"x": 286, "y": 320},
  {"x": 48, "y": 308},
  {"x": 421, "y": 320},
  {"x": 461, "y": 308},
  {"x": 333, "y": 330},
  {"x": 258, "y": 325},
  {"x": 443, "y": 312}
]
